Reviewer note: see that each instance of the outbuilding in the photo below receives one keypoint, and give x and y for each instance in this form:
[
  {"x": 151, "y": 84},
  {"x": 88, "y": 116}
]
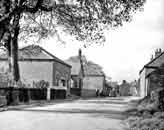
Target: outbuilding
[{"x": 39, "y": 69}]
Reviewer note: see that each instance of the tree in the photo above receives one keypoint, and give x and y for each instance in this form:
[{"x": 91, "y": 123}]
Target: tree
[{"x": 84, "y": 19}]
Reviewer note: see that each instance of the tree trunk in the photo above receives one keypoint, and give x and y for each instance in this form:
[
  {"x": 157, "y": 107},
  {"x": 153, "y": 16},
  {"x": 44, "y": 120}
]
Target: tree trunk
[
  {"x": 14, "y": 57},
  {"x": 14, "y": 48},
  {"x": 13, "y": 60},
  {"x": 13, "y": 67},
  {"x": 9, "y": 31}
]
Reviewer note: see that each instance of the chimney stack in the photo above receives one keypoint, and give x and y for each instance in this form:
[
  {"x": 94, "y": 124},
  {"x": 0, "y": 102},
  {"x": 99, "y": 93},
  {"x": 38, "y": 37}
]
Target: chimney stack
[{"x": 158, "y": 52}]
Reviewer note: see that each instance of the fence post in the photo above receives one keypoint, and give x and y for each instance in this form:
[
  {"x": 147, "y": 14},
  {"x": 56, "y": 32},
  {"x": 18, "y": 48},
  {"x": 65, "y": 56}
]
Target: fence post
[{"x": 48, "y": 93}]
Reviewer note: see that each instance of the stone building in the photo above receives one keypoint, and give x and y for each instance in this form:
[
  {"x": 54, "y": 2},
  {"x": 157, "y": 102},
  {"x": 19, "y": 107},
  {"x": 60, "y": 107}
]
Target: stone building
[
  {"x": 145, "y": 74},
  {"x": 37, "y": 65},
  {"x": 86, "y": 76},
  {"x": 124, "y": 89}
]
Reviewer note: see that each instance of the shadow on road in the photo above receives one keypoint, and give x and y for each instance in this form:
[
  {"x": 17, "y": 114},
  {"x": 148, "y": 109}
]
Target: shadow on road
[
  {"x": 110, "y": 115},
  {"x": 92, "y": 113},
  {"x": 105, "y": 102}
]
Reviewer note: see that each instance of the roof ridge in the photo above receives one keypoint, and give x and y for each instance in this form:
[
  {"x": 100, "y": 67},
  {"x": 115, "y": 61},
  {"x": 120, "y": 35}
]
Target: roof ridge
[
  {"x": 151, "y": 61},
  {"x": 42, "y": 49},
  {"x": 53, "y": 56}
]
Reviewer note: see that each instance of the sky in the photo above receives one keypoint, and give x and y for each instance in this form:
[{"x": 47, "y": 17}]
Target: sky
[{"x": 127, "y": 49}]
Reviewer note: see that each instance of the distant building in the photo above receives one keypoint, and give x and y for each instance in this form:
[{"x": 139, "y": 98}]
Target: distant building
[
  {"x": 107, "y": 87},
  {"x": 86, "y": 76},
  {"x": 156, "y": 61},
  {"x": 113, "y": 84},
  {"x": 134, "y": 88},
  {"x": 124, "y": 89},
  {"x": 36, "y": 64}
]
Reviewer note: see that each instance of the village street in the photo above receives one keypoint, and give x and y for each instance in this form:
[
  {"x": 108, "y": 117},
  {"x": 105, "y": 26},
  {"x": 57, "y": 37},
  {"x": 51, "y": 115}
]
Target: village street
[{"x": 81, "y": 114}]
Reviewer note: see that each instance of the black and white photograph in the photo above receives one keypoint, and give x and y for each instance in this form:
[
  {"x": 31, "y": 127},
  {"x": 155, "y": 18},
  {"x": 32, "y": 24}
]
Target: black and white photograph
[{"x": 81, "y": 64}]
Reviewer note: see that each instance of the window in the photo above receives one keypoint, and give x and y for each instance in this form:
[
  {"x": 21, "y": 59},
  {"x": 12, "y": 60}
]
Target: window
[{"x": 63, "y": 82}]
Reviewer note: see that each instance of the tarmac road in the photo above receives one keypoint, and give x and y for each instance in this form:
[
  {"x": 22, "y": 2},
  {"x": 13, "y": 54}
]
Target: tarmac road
[{"x": 88, "y": 114}]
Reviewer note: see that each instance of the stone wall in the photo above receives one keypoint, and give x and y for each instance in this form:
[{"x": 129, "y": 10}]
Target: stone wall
[{"x": 88, "y": 92}]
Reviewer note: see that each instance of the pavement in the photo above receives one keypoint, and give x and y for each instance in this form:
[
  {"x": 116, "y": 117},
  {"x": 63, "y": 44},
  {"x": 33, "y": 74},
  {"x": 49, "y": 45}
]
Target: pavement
[{"x": 80, "y": 114}]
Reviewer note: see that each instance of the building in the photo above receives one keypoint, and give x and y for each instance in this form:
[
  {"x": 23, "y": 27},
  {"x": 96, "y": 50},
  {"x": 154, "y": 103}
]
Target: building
[
  {"x": 107, "y": 88},
  {"x": 134, "y": 88},
  {"x": 87, "y": 77},
  {"x": 145, "y": 82},
  {"x": 124, "y": 88},
  {"x": 37, "y": 67}
]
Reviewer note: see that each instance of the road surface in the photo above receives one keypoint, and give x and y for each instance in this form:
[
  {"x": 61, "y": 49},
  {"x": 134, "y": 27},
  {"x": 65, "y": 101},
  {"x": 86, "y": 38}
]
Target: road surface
[{"x": 88, "y": 114}]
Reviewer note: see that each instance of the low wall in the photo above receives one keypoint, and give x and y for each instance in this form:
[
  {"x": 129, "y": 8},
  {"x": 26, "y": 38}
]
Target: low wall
[
  {"x": 75, "y": 91},
  {"x": 57, "y": 94},
  {"x": 88, "y": 93},
  {"x": 3, "y": 101},
  {"x": 26, "y": 94}
]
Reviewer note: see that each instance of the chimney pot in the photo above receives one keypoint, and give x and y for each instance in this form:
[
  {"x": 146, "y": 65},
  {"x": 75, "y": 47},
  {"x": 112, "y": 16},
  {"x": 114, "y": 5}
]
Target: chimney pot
[
  {"x": 156, "y": 53},
  {"x": 152, "y": 57}
]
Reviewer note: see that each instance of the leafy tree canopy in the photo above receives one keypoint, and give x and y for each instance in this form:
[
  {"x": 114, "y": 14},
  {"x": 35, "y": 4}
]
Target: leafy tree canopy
[{"x": 84, "y": 19}]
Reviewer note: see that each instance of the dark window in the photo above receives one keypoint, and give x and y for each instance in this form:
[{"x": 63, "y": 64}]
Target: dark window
[
  {"x": 63, "y": 82},
  {"x": 75, "y": 84}
]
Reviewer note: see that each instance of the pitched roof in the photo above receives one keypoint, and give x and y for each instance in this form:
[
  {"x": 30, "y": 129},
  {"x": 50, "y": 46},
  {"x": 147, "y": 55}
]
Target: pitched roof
[
  {"x": 152, "y": 61},
  {"x": 90, "y": 68},
  {"x": 74, "y": 61},
  {"x": 35, "y": 52}
]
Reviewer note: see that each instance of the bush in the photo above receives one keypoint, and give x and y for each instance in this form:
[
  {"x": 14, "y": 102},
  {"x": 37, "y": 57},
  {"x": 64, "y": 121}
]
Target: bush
[
  {"x": 149, "y": 113},
  {"x": 155, "y": 122},
  {"x": 152, "y": 103},
  {"x": 159, "y": 115}
]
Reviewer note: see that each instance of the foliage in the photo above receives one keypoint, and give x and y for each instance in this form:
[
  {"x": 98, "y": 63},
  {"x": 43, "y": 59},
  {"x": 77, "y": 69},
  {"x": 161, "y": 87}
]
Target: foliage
[
  {"x": 84, "y": 19},
  {"x": 36, "y": 84},
  {"x": 154, "y": 122},
  {"x": 147, "y": 105},
  {"x": 149, "y": 114},
  {"x": 41, "y": 84}
]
